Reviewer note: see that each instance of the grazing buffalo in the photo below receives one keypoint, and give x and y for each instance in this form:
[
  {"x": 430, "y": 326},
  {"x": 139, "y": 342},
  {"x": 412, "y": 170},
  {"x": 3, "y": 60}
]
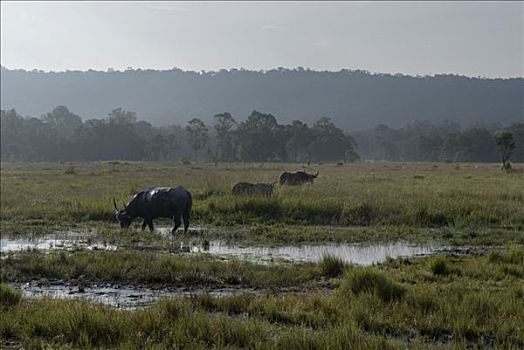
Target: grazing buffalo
[
  {"x": 265, "y": 189},
  {"x": 246, "y": 188},
  {"x": 158, "y": 202},
  {"x": 298, "y": 178}
]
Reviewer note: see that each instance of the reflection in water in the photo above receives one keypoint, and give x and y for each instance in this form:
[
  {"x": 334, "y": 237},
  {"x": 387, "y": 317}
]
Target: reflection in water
[
  {"x": 59, "y": 240},
  {"x": 361, "y": 254}
]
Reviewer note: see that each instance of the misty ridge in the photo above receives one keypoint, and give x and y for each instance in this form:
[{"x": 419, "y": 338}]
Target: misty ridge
[
  {"x": 354, "y": 100},
  {"x": 338, "y": 117}
]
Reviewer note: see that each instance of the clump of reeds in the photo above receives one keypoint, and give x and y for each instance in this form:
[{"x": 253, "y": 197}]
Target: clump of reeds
[
  {"x": 365, "y": 280},
  {"x": 9, "y": 296},
  {"x": 331, "y": 266},
  {"x": 438, "y": 265}
]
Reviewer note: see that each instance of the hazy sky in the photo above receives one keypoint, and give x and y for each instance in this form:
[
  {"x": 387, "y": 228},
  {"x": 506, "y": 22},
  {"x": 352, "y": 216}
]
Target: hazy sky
[{"x": 470, "y": 38}]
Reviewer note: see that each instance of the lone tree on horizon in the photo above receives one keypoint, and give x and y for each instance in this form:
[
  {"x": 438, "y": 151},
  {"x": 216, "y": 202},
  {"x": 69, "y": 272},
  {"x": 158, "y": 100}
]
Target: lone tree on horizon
[
  {"x": 505, "y": 146},
  {"x": 197, "y": 134}
]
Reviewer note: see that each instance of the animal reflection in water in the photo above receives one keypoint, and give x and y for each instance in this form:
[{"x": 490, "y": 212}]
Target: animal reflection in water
[{"x": 158, "y": 202}]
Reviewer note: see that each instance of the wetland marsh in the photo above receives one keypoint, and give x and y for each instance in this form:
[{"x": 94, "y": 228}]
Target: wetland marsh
[{"x": 442, "y": 245}]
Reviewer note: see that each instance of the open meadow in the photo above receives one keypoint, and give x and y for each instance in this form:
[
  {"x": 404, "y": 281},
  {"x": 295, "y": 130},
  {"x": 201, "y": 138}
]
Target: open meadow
[{"x": 372, "y": 255}]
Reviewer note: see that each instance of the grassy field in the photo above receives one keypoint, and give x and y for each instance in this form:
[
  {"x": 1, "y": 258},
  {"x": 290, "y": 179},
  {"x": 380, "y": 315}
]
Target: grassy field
[
  {"x": 415, "y": 195},
  {"x": 444, "y": 301}
]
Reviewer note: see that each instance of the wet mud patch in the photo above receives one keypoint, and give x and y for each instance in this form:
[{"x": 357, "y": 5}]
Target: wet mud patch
[{"x": 119, "y": 296}]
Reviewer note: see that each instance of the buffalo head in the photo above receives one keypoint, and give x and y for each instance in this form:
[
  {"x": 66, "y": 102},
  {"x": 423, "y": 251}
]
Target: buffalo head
[
  {"x": 123, "y": 216},
  {"x": 308, "y": 177}
]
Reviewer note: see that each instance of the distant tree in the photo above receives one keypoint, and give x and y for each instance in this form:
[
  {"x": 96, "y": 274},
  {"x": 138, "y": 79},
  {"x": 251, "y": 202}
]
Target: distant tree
[
  {"x": 449, "y": 151},
  {"x": 15, "y": 136},
  {"x": 505, "y": 146},
  {"x": 420, "y": 141},
  {"x": 223, "y": 126},
  {"x": 144, "y": 130},
  {"x": 111, "y": 138},
  {"x": 197, "y": 133},
  {"x": 121, "y": 116},
  {"x": 157, "y": 147},
  {"x": 351, "y": 156},
  {"x": 517, "y": 130},
  {"x": 477, "y": 143},
  {"x": 258, "y": 138},
  {"x": 63, "y": 121},
  {"x": 428, "y": 147},
  {"x": 330, "y": 143},
  {"x": 299, "y": 139}
]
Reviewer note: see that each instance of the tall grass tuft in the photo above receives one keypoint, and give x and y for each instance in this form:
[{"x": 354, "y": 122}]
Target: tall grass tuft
[
  {"x": 516, "y": 255},
  {"x": 361, "y": 215},
  {"x": 365, "y": 280},
  {"x": 438, "y": 265},
  {"x": 495, "y": 257},
  {"x": 9, "y": 296},
  {"x": 331, "y": 266}
]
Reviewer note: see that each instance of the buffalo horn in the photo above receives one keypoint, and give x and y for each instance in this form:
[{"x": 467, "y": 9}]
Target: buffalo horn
[{"x": 114, "y": 203}]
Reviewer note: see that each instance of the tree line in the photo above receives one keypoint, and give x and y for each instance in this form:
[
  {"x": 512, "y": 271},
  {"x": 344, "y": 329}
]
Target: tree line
[
  {"x": 61, "y": 135},
  {"x": 443, "y": 142}
]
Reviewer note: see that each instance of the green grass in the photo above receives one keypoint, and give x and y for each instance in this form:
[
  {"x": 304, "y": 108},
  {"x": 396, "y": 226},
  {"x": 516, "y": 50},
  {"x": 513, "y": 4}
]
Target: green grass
[
  {"x": 474, "y": 195},
  {"x": 446, "y": 301},
  {"x": 332, "y": 266},
  {"x": 280, "y": 234},
  {"x": 135, "y": 267},
  {"x": 360, "y": 281},
  {"x": 438, "y": 265},
  {"x": 265, "y": 235},
  {"x": 9, "y": 296},
  {"x": 396, "y": 305}
]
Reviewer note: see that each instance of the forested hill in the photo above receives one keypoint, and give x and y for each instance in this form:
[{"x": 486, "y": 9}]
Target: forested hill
[{"x": 353, "y": 99}]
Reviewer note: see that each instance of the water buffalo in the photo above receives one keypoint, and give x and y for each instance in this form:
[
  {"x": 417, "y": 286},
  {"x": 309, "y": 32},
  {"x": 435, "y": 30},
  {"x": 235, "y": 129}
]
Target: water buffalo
[
  {"x": 265, "y": 189},
  {"x": 246, "y": 188},
  {"x": 298, "y": 178},
  {"x": 157, "y": 202}
]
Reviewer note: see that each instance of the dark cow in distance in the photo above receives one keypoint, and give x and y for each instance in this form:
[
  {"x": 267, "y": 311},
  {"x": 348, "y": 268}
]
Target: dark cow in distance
[
  {"x": 246, "y": 188},
  {"x": 298, "y": 178},
  {"x": 157, "y": 202}
]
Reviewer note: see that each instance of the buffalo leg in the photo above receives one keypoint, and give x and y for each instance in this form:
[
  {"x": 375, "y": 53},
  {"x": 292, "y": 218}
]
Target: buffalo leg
[
  {"x": 176, "y": 219},
  {"x": 178, "y": 223},
  {"x": 186, "y": 223},
  {"x": 148, "y": 223}
]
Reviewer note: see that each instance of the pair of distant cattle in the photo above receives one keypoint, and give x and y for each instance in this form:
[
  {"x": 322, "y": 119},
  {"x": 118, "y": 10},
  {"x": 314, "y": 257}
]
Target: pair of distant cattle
[{"x": 293, "y": 179}]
